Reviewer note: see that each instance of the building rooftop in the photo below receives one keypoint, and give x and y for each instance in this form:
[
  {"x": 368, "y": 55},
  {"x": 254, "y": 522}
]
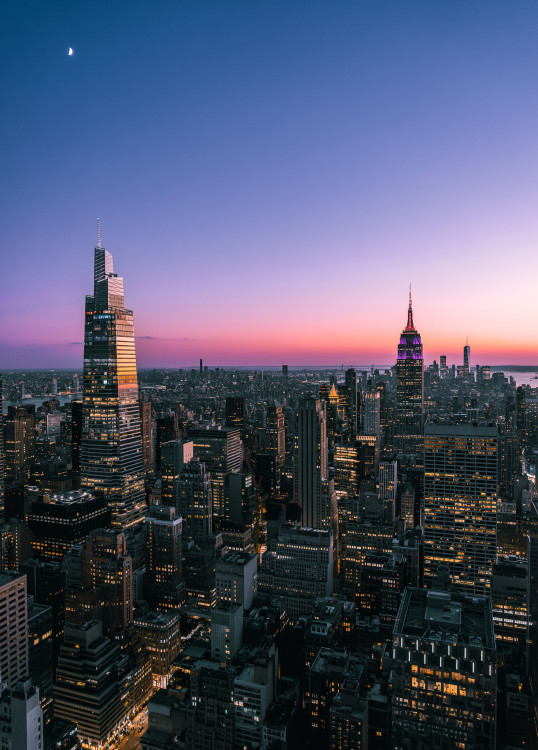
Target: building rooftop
[{"x": 445, "y": 616}]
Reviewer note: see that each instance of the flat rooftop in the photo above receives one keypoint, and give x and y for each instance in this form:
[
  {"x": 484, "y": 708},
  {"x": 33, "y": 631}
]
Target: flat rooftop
[{"x": 446, "y": 616}]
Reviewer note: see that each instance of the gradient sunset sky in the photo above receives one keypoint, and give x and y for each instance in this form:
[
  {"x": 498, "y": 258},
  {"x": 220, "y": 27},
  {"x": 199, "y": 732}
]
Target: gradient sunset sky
[{"x": 270, "y": 176}]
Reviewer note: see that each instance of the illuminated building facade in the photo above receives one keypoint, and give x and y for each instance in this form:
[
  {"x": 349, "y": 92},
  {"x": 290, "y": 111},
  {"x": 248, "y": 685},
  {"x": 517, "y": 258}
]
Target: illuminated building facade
[
  {"x": 298, "y": 565},
  {"x": 443, "y": 678},
  {"x": 409, "y": 389},
  {"x": 164, "y": 582},
  {"x": 221, "y": 451},
  {"x": 276, "y": 435},
  {"x": 13, "y": 627},
  {"x": 111, "y": 451},
  {"x": 311, "y": 462},
  {"x": 510, "y": 594},
  {"x": 460, "y": 504},
  {"x": 58, "y": 522}
]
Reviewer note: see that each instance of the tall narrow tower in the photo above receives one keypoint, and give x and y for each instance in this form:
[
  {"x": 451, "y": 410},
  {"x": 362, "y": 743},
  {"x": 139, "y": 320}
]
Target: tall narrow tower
[
  {"x": 409, "y": 437},
  {"x": 466, "y": 358},
  {"x": 111, "y": 447}
]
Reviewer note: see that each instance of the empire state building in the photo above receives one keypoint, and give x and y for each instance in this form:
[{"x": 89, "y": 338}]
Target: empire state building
[
  {"x": 111, "y": 449},
  {"x": 409, "y": 437}
]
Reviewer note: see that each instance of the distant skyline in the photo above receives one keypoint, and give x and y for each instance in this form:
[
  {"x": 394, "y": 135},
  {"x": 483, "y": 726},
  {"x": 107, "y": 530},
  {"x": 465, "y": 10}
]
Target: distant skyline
[{"x": 270, "y": 176}]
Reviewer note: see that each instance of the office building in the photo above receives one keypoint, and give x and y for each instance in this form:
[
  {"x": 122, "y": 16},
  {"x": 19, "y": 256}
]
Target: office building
[
  {"x": 60, "y": 521},
  {"x": 236, "y": 412},
  {"x": 146, "y": 431},
  {"x": 194, "y": 500},
  {"x": 371, "y": 411},
  {"x": 41, "y": 652},
  {"x": 21, "y": 717},
  {"x": 275, "y": 436},
  {"x": 19, "y": 443},
  {"x": 160, "y": 634},
  {"x": 226, "y": 630},
  {"x": 46, "y": 584},
  {"x": 443, "y": 678},
  {"x": 174, "y": 455},
  {"x": 76, "y": 435},
  {"x": 167, "y": 429},
  {"x": 164, "y": 587},
  {"x": 298, "y": 566},
  {"x": 409, "y": 433},
  {"x": 108, "y": 568},
  {"x": 460, "y": 504},
  {"x": 111, "y": 450},
  {"x": 466, "y": 359},
  {"x": 211, "y": 711},
  {"x": 352, "y": 411},
  {"x": 510, "y": 595},
  {"x": 311, "y": 463},
  {"x": 88, "y": 685},
  {"x": 221, "y": 451},
  {"x": 13, "y": 628},
  {"x": 236, "y": 575},
  {"x": 254, "y": 690}
]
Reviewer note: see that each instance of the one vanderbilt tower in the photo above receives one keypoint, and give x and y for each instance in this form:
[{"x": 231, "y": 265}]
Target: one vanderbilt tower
[{"x": 111, "y": 450}]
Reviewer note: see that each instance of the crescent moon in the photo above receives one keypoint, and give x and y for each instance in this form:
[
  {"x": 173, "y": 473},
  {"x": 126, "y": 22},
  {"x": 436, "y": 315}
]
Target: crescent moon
[{"x": 70, "y": 51}]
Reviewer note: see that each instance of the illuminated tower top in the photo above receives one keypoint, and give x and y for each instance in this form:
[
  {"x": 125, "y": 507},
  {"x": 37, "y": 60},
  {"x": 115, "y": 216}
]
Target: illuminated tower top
[{"x": 409, "y": 388}]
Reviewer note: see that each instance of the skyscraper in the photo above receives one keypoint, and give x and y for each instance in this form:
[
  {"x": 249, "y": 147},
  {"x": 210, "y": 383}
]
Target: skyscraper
[
  {"x": 460, "y": 504},
  {"x": 311, "y": 461},
  {"x": 409, "y": 389},
  {"x": 111, "y": 451},
  {"x": 466, "y": 358}
]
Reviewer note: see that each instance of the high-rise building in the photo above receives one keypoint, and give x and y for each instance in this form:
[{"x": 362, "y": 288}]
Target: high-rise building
[
  {"x": 41, "y": 651},
  {"x": 174, "y": 455},
  {"x": 111, "y": 452},
  {"x": 221, "y": 451},
  {"x": 409, "y": 389},
  {"x": 460, "y": 504},
  {"x": 194, "y": 500},
  {"x": 76, "y": 434},
  {"x": 298, "y": 566},
  {"x": 19, "y": 443},
  {"x": 352, "y": 410},
  {"x": 443, "y": 369},
  {"x": 226, "y": 630},
  {"x": 310, "y": 468},
  {"x": 211, "y": 710},
  {"x": 13, "y": 627},
  {"x": 236, "y": 412},
  {"x": 166, "y": 429},
  {"x": 21, "y": 727},
  {"x": 371, "y": 412},
  {"x": 236, "y": 576},
  {"x": 88, "y": 688},
  {"x": 147, "y": 434},
  {"x": 443, "y": 678},
  {"x": 109, "y": 568},
  {"x": 164, "y": 581},
  {"x": 466, "y": 359},
  {"x": 276, "y": 435},
  {"x": 58, "y": 522}
]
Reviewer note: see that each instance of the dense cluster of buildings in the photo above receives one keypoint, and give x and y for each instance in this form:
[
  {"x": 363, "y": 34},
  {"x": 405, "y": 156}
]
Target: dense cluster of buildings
[{"x": 225, "y": 559}]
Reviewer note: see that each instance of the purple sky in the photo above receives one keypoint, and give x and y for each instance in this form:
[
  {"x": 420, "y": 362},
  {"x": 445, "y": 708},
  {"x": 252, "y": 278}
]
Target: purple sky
[{"x": 270, "y": 176}]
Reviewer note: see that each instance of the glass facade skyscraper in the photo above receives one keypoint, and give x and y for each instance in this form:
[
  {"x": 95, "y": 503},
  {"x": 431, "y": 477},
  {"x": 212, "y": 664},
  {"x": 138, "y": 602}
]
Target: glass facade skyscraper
[
  {"x": 111, "y": 449},
  {"x": 409, "y": 389}
]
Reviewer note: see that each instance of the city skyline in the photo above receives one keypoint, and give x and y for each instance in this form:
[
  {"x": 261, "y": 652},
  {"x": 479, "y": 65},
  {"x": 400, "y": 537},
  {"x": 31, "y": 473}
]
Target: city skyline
[{"x": 385, "y": 148}]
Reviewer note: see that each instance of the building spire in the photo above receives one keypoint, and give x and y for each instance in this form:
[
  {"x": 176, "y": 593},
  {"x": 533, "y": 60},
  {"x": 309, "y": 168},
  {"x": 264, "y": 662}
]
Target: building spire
[
  {"x": 410, "y": 311},
  {"x": 98, "y": 233}
]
